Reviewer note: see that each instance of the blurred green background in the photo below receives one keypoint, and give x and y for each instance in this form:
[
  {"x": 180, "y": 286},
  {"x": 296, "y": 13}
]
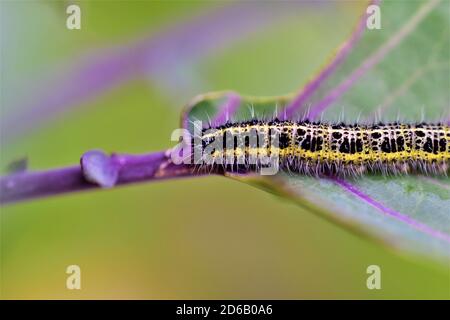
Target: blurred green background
[{"x": 197, "y": 238}]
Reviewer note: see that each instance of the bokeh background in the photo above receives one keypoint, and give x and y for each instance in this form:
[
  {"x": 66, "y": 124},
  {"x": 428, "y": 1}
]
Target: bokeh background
[{"x": 118, "y": 84}]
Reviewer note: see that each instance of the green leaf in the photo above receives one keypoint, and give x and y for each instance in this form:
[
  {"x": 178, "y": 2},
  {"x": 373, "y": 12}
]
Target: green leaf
[{"x": 400, "y": 71}]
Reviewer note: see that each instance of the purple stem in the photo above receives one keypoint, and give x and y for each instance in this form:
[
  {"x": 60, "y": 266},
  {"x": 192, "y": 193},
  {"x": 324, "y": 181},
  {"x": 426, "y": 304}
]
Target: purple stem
[
  {"x": 118, "y": 168},
  {"x": 299, "y": 101},
  {"x": 390, "y": 212}
]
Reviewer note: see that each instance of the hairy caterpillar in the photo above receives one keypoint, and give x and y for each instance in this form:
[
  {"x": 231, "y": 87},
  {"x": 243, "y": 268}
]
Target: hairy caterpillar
[{"x": 317, "y": 148}]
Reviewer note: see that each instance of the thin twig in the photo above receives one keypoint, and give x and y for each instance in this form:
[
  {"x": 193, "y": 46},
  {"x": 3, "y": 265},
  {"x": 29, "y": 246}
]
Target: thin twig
[{"x": 121, "y": 168}]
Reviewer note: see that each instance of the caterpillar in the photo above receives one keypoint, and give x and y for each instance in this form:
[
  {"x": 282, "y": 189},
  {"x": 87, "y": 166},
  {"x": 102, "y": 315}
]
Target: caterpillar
[{"x": 317, "y": 148}]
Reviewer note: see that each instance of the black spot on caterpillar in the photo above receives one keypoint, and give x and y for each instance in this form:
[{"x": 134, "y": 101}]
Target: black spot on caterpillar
[{"x": 316, "y": 148}]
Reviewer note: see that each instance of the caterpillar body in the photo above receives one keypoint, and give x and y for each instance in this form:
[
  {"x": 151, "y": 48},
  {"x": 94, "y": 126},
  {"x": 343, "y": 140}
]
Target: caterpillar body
[{"x": 316, "y": 148}]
